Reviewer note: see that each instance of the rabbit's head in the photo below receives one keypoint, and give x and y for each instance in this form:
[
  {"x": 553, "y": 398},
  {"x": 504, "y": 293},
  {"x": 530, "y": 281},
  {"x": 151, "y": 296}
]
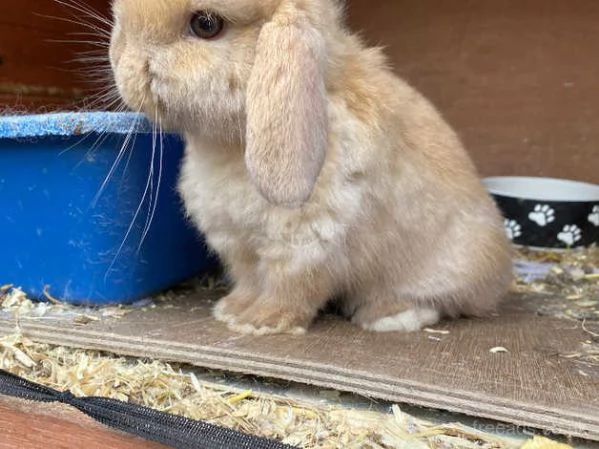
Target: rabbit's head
[{"x": 249, "y": 73}]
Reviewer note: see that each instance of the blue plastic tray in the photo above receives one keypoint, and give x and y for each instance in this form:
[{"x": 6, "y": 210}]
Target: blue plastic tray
[{"x": 59, "y": 233}]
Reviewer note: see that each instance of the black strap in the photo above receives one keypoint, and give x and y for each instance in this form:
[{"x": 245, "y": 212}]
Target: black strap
[{"x": 171, "y": 430}]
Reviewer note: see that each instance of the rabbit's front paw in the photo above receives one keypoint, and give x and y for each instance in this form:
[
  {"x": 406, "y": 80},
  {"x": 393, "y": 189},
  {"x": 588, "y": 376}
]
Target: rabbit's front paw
[
  {"x": 266, "y": 317},
  {"x": 228, "y": 308}
]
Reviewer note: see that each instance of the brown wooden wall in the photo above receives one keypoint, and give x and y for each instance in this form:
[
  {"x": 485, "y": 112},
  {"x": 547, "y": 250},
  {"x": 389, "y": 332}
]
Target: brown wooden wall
[{"x": 518, "y": 79}]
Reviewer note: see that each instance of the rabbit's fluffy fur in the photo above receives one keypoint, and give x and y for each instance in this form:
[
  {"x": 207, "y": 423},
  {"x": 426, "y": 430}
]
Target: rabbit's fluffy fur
[{"x": 313, "y": 171}]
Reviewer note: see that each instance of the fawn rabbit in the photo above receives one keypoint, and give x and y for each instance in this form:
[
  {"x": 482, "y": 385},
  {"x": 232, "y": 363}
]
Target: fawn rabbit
[{"x": 313, "y": 171}]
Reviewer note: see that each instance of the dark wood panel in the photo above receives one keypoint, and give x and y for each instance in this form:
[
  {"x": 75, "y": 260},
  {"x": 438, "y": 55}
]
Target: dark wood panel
[
  {"x": 43, "y": 14},
  {"x": 38, "y": 48},
  {"x": 35, "y": 104},
  {"x": 29, "y": 56}
]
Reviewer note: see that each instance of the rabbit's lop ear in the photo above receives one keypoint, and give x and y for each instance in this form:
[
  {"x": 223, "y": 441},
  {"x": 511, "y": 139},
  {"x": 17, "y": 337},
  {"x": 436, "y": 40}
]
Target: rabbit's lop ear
[{"x": 287, "y": 109}]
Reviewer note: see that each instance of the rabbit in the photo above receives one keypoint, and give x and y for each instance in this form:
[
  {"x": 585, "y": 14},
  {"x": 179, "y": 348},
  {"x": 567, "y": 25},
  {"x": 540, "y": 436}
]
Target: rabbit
[{"x": 313, "y": 171}]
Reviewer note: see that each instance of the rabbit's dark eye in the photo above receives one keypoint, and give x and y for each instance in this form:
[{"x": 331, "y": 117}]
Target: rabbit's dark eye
[{"x": 206, "y": 25}]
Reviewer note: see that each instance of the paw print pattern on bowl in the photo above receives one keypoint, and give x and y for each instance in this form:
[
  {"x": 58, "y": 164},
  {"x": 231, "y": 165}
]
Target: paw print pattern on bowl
[
  {"x": 512, "y": 229},
  {"x": 547, "y": 213},
  {"x": 543, "y": 214},
  {"x": 594, "y": 216},
  {"x": 570, "y": 235}
]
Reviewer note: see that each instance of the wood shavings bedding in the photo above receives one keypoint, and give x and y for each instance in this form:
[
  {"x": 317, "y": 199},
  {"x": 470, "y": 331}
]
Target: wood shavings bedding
[
  {"x": 14, "y": 302},
  {"x": 181, "y": 390},
  {"x": 567, "y": 282}
]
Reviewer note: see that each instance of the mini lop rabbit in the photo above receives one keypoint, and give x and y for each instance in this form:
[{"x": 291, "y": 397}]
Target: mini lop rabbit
[{"x": 313, "y": 171}]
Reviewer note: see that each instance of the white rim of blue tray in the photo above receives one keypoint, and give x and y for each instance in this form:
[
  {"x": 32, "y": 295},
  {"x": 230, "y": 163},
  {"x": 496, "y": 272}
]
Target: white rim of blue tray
[{"x": 72, "y": 124}]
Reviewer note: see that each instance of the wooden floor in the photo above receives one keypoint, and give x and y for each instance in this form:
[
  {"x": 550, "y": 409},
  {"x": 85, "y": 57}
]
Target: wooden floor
[{"x": 535, "y": 383}]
